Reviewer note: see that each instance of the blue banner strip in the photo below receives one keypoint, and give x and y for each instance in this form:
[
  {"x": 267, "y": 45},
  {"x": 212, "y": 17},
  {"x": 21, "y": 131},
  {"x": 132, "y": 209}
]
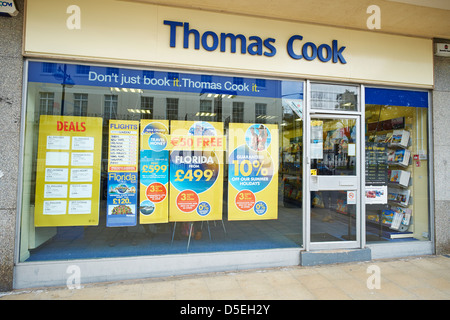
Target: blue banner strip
[
  {"x": 97, "y": 76},
  {"x": 403, "y": 98}
]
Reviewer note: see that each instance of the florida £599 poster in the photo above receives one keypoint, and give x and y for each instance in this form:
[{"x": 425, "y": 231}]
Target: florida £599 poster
[{"x": 154, "y": 172}]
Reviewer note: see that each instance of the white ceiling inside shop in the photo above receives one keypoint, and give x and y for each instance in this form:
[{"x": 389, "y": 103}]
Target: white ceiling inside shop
[{"x": 420, "y": 18}]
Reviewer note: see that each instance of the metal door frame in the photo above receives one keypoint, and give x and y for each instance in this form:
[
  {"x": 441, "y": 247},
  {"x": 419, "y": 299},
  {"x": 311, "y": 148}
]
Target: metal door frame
[{"x": 360, "y": 172}]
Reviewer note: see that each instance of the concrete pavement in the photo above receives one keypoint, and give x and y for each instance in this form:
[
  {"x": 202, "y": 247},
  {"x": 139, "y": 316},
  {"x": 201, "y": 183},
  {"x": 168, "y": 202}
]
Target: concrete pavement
[{"x": 412, "y": 278}]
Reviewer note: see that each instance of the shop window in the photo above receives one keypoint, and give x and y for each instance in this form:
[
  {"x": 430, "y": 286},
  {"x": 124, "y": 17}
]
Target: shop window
[
  {"x": 238, "y": 112},
  {"x": 146, "y": 108},
  {"x": 110, "y": 106},
  {"x": 261, "y": 112},
  {"x": 112, "y": 71},
  {"x": 80, "y": 104},
  {"x": 83, "y": 69},
  {"x": 46, "y": 102},
  {"x": 48, "y": 67},
  {"x": 396, "y": 165},
  {"x": 205, "y": 113},
  {"x": 80, "y": 201},
  {"x": 172, "y": 108}
]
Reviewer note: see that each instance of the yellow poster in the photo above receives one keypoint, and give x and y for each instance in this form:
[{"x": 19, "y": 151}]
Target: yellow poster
[
  {"x": 253, "y": 171},
  {"x": 68, "y": 171},
  {"x": 196, "y": 170},
  {"x": 154, "y": 172}
]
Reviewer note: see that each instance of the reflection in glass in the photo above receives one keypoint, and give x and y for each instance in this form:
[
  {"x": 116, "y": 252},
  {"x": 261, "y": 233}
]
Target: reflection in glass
[
  {"x": 333, "y": 148},
  {"x": 334, "y": 97}
]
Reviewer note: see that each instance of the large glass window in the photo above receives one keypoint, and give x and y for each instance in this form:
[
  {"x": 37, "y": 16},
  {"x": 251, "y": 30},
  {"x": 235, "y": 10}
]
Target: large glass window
[
  {"x": 396, "y": 165},
  {"x": 98, "y": 148}
]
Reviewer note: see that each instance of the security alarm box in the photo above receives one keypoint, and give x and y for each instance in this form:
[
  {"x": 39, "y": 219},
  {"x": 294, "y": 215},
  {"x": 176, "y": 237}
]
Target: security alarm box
[{"x": 443, "y": 49}]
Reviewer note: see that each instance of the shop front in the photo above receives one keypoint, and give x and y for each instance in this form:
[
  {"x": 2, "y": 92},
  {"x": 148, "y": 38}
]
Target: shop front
[{"x": 157, "y": 146}]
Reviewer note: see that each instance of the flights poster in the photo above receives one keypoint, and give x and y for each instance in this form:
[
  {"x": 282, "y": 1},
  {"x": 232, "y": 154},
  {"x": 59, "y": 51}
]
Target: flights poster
[
  {"x": 122, "y": 173},
  {"x": 253, "y": 172},
  {"x": 68, "y": 171},
  {"x": 154, "y": 172},
  {"x": 196, "y": 170}
]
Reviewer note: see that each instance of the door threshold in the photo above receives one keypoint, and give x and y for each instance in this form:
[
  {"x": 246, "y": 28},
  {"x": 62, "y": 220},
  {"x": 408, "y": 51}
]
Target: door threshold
[{"x": 320, "y": 257}]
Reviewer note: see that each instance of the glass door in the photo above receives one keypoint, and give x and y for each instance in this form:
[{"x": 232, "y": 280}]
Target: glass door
[{"x": 333, "y": 188}]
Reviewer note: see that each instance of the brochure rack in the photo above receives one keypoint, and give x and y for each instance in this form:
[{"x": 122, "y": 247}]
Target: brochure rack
[{"x": 396, "y": 214}]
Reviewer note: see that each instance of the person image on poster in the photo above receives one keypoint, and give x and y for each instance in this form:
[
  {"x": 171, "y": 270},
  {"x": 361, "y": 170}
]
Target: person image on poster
[
  {"x": 262, "y": 138},
  {"x": 254, "y": 139}
]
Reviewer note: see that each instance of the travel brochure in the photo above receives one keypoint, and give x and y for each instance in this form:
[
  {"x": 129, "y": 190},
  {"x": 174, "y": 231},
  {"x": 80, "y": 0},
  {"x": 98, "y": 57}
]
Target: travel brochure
[
  {"x": 399, "y": 157},
  {"x": 399, "y": 177}
]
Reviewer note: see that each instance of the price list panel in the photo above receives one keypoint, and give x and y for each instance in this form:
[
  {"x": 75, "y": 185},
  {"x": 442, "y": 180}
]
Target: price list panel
[
  {"x": 123, "y": 149},
  {"x": 376, "y": 163}
]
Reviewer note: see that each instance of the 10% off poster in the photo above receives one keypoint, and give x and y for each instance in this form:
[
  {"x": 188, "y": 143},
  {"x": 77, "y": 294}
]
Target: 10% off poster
[{"x": 253, "y": 172}]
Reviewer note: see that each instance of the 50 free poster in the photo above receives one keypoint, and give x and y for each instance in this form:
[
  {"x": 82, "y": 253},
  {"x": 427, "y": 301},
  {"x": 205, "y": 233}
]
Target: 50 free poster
[
  {"x": 196, "y": 171},
  {"x": 253, "y": 172},
  {"x": 154, "y": 172}
]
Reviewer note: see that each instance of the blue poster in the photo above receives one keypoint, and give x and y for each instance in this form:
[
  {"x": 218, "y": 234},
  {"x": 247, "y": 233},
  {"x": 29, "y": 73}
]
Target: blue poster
[
  {"x": 154, "y": 181},
  {"x": 121, "y": 199}
]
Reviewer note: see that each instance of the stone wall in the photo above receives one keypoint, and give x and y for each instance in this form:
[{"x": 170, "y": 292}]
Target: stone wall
[
  {"x": 441, "y": 134},
  {"x": 11, "y": 66}
]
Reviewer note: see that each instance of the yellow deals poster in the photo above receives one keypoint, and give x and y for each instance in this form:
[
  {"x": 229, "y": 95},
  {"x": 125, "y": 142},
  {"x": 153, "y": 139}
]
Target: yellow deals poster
[
  {"x": 253, "y": 172},
  {"x": 68, "y": 171},
  {"x": 196, "y": 170},
  {"x": 154, "y": 172}
]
